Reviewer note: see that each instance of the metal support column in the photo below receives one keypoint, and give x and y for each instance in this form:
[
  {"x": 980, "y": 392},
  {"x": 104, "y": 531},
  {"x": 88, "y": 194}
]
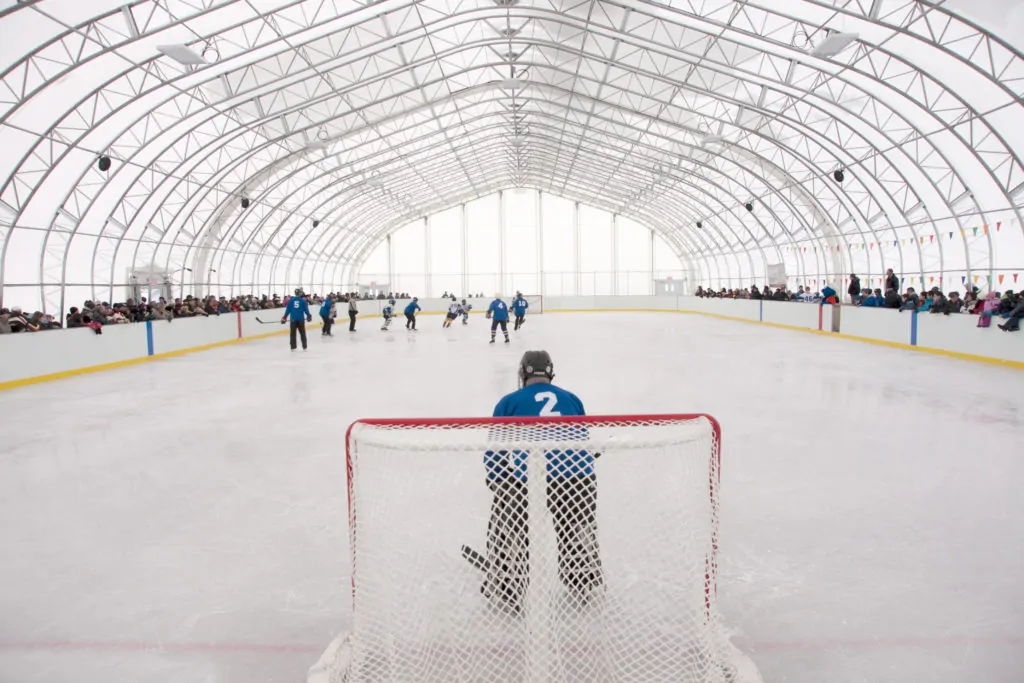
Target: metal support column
[
  {"x": 615, "y": 254},
  {"x": 465, "y": 250},
  {"x": 650, "y": 280},
  {"x": 540, "y": 242},
  {"x": 501, "y": 242},
  {"x": 426, "y": 256},
  {"x": 576, "y": 247},
  {"x": 391, "y": 265}
]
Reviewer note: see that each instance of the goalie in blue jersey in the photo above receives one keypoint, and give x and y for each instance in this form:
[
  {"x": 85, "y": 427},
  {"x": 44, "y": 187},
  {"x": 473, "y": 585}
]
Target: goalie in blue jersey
[{"x": 571, "y": 490}]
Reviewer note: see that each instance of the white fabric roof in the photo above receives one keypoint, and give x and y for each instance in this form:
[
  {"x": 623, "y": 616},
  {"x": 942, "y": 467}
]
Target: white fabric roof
[{"x": 365, "y": 115}]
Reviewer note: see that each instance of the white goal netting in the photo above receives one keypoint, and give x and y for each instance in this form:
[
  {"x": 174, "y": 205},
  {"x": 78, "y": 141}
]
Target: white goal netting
[{"x": 463, "y": 571}]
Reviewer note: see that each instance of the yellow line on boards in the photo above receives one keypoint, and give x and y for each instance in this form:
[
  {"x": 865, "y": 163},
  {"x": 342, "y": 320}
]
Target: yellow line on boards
[
  {"x": 39, "y": 379},
  {"x": 1001, "y": 362}
]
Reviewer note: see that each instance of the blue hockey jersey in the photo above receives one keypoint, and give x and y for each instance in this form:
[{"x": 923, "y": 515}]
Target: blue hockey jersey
[
  {"x": 387, "y": 311},
  {"x": 539, "y": 400},
  {"x": 325, "y": 309},
  {"x": 498, "y": 310},
  {"x": 519, "y": 306},
  {"x": 297, "y": 309},
  {"x": 412, "y": 308}
]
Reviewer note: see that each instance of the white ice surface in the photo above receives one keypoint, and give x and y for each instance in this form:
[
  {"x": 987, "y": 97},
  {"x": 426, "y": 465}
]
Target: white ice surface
[{"x": 184, "y": 520}]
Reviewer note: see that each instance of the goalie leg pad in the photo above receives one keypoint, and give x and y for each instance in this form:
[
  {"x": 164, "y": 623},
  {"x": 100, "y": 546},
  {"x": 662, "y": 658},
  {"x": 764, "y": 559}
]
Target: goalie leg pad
[
  {"x": 508, "y": 550},
  {"x": 573, "y": 505}
]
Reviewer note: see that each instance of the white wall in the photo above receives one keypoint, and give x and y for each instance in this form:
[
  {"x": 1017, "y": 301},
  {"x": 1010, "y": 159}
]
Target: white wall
[
  {"x": 186, "y": 333},
  {"x": 44, "y": 353},
  {"x": 795, "y": 314},
  {"x": 961, "y": 334},
  {"x": 26, "y": 356},
  {"x": 884, "y": 324}
]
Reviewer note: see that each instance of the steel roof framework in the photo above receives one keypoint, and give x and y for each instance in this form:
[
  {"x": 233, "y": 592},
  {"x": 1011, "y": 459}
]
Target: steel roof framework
[{"x": 367, "y": 116}]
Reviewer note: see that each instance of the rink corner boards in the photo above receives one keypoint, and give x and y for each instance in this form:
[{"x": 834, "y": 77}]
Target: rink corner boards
[{"x": 1001, "y": 362}]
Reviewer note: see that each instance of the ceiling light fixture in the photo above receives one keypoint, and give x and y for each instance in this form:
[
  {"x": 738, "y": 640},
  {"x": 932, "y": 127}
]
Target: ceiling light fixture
[
  {"x": 834, "y": 44},
  {"x": 182, "y": 54},
  {"x": 711, "y": 140}
]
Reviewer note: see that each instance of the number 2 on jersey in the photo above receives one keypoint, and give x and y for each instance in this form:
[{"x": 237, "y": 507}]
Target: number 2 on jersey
[{"x": 550, "y": 401}]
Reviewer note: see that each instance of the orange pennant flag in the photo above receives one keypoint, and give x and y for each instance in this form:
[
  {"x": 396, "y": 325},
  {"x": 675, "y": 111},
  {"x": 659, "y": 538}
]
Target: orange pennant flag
[{"x": 1001, "y": 279}]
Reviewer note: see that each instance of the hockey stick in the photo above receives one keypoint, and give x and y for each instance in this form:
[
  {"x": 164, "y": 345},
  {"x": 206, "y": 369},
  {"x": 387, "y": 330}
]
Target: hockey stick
[
  {"x": 475, "y": 558},
  {"x": 268, "y": 322}
]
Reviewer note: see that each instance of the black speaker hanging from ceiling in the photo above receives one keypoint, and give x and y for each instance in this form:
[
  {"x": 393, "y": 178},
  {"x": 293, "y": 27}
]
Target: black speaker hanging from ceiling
[
  {"x": 245, "y": 202},
  {"x": 103, "y": 163},
  {"x": 839, "y": 175}
]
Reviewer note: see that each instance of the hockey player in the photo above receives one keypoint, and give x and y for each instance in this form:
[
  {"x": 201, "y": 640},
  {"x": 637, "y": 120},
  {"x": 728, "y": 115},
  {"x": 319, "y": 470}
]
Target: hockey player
[
  {"x": 327, "y": 314},
  {"x": 519, "y": 306},
  {"x": 498, "y": 315},
  {"x": 466, "y": 308},
  {"x": 297, "y": 309},
  {"x": 410, "y": 314},
  {"x": 571, "y": 489},
  {"x": 454, "y": 311},
  {"x": 388, "y": 312}
]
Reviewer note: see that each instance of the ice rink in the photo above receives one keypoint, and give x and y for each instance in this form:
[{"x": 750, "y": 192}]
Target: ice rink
[{"x": 185, "y": 520}]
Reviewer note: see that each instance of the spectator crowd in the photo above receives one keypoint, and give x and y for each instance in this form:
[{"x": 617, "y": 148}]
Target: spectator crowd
[
  {"x": 1006, "y": 305},
  {"x": 95, "y": 315}
]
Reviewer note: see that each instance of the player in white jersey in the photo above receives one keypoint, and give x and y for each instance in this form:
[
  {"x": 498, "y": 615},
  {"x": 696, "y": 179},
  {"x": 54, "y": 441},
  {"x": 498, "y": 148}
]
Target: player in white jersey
[
  {"x": 466, "y": 308},
  {"x": 454, "y": 311}
]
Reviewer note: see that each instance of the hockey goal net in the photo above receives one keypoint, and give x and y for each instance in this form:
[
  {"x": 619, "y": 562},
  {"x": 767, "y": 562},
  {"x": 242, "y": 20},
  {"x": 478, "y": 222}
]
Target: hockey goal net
[{"x": 462, "y": 570}]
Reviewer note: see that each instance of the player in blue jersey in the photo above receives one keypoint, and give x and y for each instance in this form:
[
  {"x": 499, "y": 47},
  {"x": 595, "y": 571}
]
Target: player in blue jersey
[
  {"x": 410, "y": 314},
  {"x": 388, "y": 312},
  {"x": 498, "y": 315},
  {"x": 519, "y": 306},
  {"x": 466, "y": 308},
  {"x": 571, "y": 493},
  {"x": 327, "y": 314},
  {"x": 297, "y": 309}
]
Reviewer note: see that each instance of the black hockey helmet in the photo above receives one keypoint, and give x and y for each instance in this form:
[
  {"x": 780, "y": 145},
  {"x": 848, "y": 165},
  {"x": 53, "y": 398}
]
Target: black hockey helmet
[
  {"x": 453, "y": 298},
  {"x": 535, "y": 364},
  {"x": 298, "y": 291}
]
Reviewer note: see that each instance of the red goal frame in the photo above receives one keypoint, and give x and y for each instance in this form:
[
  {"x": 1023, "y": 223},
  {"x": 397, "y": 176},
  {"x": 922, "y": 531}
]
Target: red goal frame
[{"x": 710, "y": 563}]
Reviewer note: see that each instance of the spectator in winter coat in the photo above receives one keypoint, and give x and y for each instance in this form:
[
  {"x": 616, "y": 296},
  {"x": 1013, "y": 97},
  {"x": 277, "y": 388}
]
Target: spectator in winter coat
[
  {"x": 939, "y": 303},
  {"x": 829, "y": 296},
  {"x": 854, "y": 289},
  {"x": 891, "y": 281},
  {"x": 892, "y": 299},
  {"x": 1006, "y": 304},
  {"x": 954, "y": 304},
  {"x": 988, "y": 309},
  {"x": 1013, "y": 324},
  {"x": 74, "y": 318},
  {"x": 873, "y": 300},
  {"x": 911, "y": 301}
]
